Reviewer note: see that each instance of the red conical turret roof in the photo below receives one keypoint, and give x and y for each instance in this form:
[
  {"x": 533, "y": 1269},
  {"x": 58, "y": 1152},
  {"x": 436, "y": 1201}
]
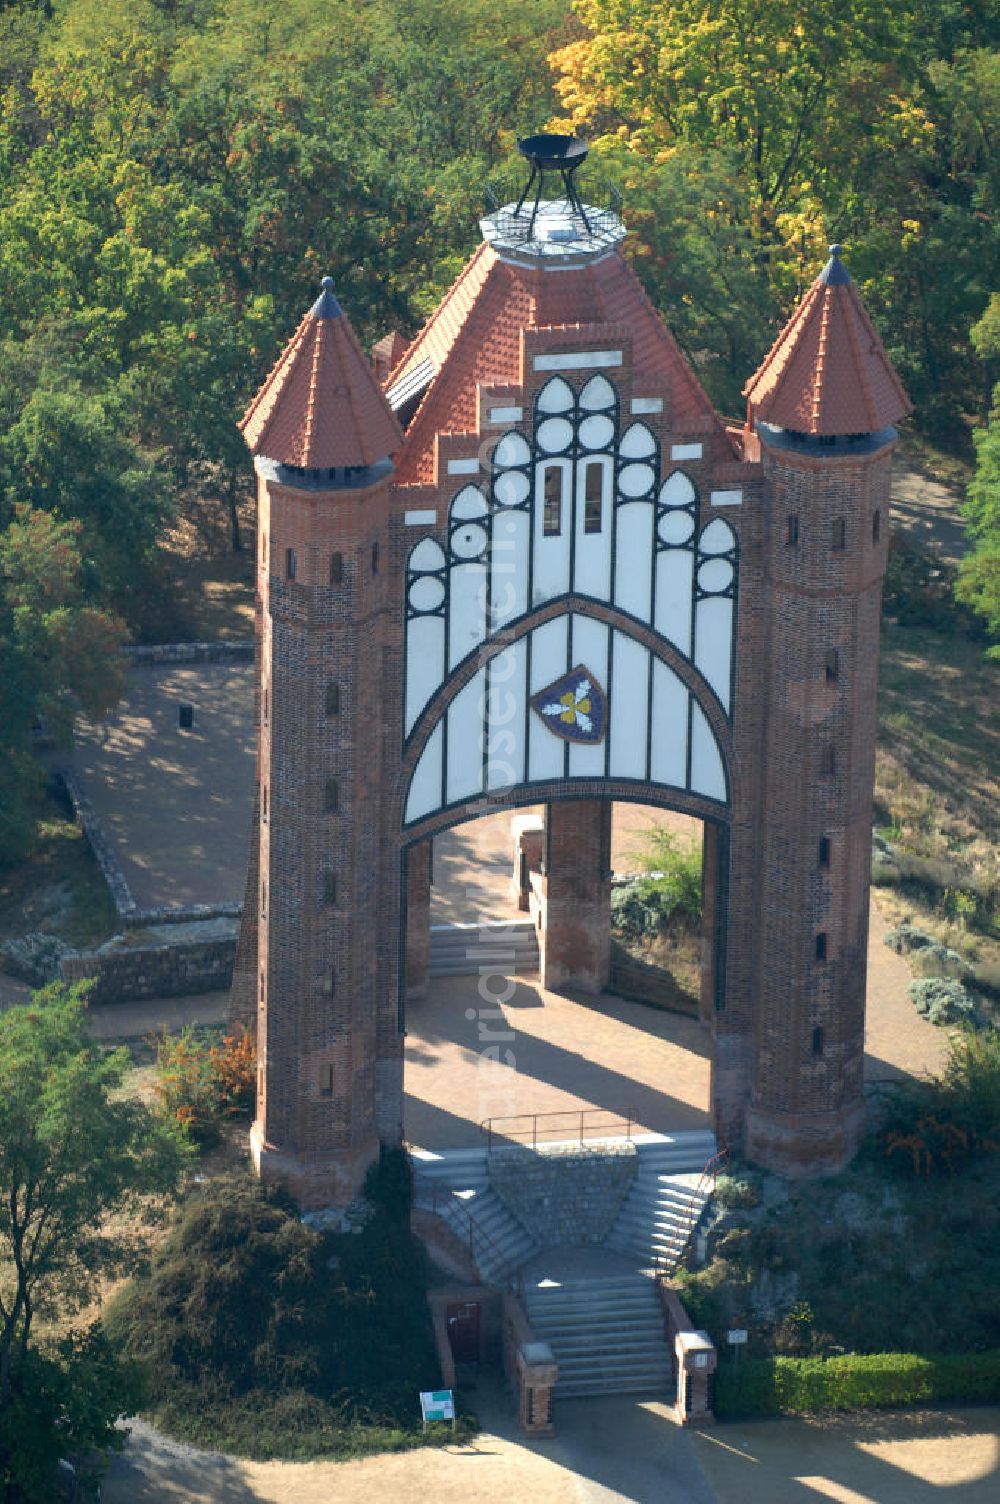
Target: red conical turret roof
[
  {"x": 827, "y": 372},
  {"x": 321, "y": 406}
]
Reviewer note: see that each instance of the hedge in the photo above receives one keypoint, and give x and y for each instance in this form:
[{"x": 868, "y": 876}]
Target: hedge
[{"x": 857, "y": 1381}]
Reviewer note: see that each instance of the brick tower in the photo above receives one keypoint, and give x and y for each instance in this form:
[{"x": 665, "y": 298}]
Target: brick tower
[
  {"x": 321, "y": 434},
  {"x": 821, "y": 405}
]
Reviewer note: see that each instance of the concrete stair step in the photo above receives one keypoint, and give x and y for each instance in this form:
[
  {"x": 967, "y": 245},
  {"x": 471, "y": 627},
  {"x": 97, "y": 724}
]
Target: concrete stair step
[
  {"x": 608, "y": 1365},
  {"x": 630, "y": 1345},
  {"x": 600, "y": 1387}
]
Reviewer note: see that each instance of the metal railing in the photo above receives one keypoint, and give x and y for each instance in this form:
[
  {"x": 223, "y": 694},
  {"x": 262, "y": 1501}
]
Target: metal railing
[
  {"x": 573, "y": 1125},
  {"x": 443, "y": 1195},
  {"x": 516, "y": 223},
  {"x": 664, "y": 1268}
]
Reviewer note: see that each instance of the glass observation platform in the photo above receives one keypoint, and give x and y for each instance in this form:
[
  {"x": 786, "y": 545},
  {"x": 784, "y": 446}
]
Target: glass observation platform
[{"x": 555, "y": 228}]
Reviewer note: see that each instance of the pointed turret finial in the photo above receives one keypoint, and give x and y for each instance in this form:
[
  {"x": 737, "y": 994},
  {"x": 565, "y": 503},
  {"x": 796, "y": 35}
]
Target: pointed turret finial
[
  {"x": 321, "y": 407},
  {"x": 827, "y": 373},
  {"x": 834, "y": 273},
  {"x": 326, "y": 305}
]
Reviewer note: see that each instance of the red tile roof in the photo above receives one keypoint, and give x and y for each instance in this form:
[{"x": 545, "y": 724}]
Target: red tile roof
[
  {"x": 321, "y": 406},
  {"x": 827, "y": 372},
  {"x": 474, "y": 338}
]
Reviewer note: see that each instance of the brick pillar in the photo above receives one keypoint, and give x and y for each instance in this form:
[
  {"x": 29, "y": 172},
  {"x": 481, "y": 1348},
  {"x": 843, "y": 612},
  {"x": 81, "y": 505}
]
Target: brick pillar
[
  {"x": 807, "y": 1107},
  {"x": 418, "y": 918},
  {"x": 576, "y": 939},
  {"x": 709, "y": 923}
]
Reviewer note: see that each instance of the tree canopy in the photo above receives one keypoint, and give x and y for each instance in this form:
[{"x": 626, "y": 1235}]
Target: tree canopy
[{"x": 74, "y": 1148}]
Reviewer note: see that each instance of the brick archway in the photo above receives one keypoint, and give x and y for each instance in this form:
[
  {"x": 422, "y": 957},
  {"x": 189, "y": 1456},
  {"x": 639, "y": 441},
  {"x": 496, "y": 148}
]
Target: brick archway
[{"x": 719, "y": 586}]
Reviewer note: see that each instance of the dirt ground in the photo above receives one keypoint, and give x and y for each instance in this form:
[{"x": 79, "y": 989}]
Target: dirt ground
[{"x": 614, "y": 1451}]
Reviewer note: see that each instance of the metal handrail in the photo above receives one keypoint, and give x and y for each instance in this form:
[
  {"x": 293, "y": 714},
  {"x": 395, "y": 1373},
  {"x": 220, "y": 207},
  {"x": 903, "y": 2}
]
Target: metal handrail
[
  {"x": 489, "y": 1127},
  {"x": 693, "y": 1214},
  {"x": 437, "y": 1192}
]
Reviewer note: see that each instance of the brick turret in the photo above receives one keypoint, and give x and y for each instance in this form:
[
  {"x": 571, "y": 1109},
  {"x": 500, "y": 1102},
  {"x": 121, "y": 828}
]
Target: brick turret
[
  {"x": 829, "y": 384},
  {"x": 322, "y": 435}
]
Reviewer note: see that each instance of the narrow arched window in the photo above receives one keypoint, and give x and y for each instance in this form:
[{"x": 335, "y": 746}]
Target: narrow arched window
[
  {"x": 821, "y": 946},
  {"x": 291, "y": 563},
  {"x": 263, "y": 803},
  {"x": 329, "y": 887},
  {"x": 838, "y": 536},
  {"x": 876, "y": 526},
  {"x": 818, "y": 1040},
  {"x": 263, "y": 900},
  {"x": 333, "y": 699},
  {"x": 832, "y": 666},
  {"x": 336, "y": 568},
  {"x": 375, "y": 557},
  {"x": 824, "y": 851},
  {"x": 331, "y": 796},
  {"x": 791, "y": 531},
  {"x": 593, "y": 498},
  {"x": 552, "y": 510},
  {"x": 828, "y": 761}
]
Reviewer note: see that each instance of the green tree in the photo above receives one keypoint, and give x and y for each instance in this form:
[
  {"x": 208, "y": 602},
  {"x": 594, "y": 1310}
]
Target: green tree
[
  {"x": 75, "y": 1149},
  {"x": 57, "y": 655},
  {"x": 978, "y": 582},
  {"x": 845, "y": 120}
]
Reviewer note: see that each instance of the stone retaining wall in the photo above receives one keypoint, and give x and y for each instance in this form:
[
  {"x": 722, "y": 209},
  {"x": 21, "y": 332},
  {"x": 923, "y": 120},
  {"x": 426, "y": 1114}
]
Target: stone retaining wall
[
  {"x": 190, "y": 652},
  {"x": 104, "y": 852},
  {"x": 129, "y": 973},
  {"x": 570, "y": 1196},
  {"x": 643, "y": 982}
]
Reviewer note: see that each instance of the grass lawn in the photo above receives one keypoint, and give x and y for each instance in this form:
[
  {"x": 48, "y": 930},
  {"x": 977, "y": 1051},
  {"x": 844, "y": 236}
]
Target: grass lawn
[{"x": 937, "y": 787}]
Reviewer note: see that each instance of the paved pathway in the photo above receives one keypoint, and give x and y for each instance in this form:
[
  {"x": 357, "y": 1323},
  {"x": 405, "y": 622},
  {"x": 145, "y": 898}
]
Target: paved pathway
[
  {"x": 611, "y": 1451},
  {"x": 927, "y": 511},
  {"x": 176, "y": 804}
]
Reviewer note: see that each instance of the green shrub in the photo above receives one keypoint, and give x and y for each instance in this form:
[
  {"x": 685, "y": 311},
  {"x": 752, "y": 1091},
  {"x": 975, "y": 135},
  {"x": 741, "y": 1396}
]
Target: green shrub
[
  {"x": 199, "y": 1083},
  {"x": 941, "y": 1125},
  {"x": 856, "y": 1381},
  {"x": 638, "y": 909},
  {"x": 942, "y": 1001},
  {"x": 737, "y": 1190},
  {"x": 245, "y": 1306},
  {"x": 919, "y": 589},
  {"x": 906, "y": 939},
  {"x": 672, "y": 890}
]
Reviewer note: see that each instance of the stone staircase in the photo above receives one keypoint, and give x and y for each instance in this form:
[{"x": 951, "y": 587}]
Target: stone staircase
[
  {"x": 666, "y": 1198},
  {"x": 455, "y": 1184},
  {"x": 606, "y": 1333},
  {"x": 504, "y": 945}
]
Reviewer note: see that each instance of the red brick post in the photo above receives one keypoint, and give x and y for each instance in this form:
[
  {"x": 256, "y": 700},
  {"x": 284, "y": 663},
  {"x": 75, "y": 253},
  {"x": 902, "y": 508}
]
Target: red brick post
[
  {"x": 576, "y": 940},
  {"x": 418, "y": 918}
]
